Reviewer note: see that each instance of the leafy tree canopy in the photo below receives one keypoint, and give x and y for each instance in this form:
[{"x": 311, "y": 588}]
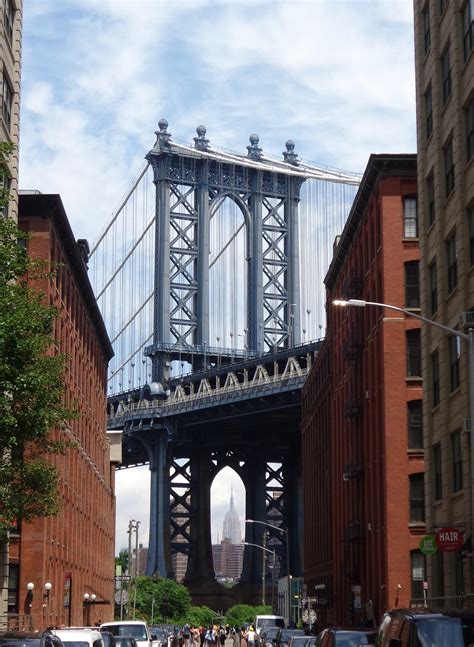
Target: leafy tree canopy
[
  {"x": 242, "y": 614},
  {"x": 31, "y": 382},
  {"x": 171, "y": 601}
]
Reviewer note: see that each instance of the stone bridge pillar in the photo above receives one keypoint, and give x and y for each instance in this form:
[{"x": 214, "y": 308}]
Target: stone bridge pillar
[
  {"x": 159, "y": 556},
  {"x": 255, "y": 509},
  {"x": 200, "y": 565}
]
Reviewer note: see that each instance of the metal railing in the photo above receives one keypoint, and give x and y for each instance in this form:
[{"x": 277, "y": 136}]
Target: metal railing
[{"x": 465, "y": 601}]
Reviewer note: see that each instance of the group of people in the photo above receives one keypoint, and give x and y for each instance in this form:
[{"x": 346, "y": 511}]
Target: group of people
[{"x": 214, "y": 636}]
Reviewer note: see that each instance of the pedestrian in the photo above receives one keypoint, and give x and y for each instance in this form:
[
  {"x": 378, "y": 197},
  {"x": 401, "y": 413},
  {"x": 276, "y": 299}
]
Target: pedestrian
[
  {"x": 236, "y": 636},
  {"x": 222, "y": 636},
  {"x": 186, "y": 635},
  {"x": 251, "y": 636}
]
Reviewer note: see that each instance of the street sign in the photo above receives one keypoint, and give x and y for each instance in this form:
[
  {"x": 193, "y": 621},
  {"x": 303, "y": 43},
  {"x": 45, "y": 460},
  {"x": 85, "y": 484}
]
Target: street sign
[
  {"x": 428, "y": 545},
  {"x": 449, "y": 539},
  {"x": 121, "y": 597},
  {"x": 122, "y": 578},
  {"x": 312, "y": 616}
]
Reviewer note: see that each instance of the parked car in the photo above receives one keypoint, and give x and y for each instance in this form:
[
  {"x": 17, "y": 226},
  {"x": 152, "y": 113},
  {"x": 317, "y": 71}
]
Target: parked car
[
  {"x": 125, "y": 641},
  {"x": 299, "y": 641},
  {"x": 339, "y": 637},
  {"x": 80, "y": 637},
  {"x": 29, "y": 639},
  {"x": 269, "y": 636},
  {"x": 426, "y": 627},
  {"x": 135, "y": 628},
  {"x": 285, "y": 635},
  {"x": 264, "y": 622}
]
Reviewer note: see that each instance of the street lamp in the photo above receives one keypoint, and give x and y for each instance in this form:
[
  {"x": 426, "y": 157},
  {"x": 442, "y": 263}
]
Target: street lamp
[
  {"x": 359, "y": 303},
  {"x": 272, "y": 552},
  {"x": 285, "y": 530}
]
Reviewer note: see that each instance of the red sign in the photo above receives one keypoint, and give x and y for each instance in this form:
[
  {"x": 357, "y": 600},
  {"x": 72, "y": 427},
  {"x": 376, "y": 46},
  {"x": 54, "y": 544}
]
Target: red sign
[{"x": 449, "y": 539}]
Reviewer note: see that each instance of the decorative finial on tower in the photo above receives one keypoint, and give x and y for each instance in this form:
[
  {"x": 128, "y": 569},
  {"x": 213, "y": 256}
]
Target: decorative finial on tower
[
  {"x": 289, "y": 155},
  {"x": 163, "y": 137},
  {"x": 200, "y": 141},
  {"x": 254, "y": 151}
]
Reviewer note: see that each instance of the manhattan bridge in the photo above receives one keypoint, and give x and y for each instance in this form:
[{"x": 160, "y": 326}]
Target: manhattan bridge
[{"x": 210, "y": 280}]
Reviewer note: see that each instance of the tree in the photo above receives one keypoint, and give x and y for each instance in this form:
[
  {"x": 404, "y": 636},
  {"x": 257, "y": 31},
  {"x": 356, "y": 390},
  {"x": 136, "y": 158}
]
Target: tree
[
  {"x": 122, "y": 560},
  {"x": 198, "y": 616},
  {"x": 31, "y": 381},
  {"x": 171, "y": 601},
  {"x": 242, "y": 614}
]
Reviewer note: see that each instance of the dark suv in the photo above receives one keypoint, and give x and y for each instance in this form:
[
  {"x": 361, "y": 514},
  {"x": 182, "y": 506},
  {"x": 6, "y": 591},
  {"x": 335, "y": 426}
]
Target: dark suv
[{"x": 425, "y": 628}]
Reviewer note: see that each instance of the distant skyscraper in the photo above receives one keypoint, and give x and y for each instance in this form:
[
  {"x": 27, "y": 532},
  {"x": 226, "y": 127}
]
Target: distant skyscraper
[{"x": 231, "y": 528}]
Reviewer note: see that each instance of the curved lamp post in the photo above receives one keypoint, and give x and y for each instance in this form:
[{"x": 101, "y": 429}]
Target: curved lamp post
[
  {"x": 284, "y": 530},
  {"x": 469, "y": 338},
  {"x": 272, "y": 552}
]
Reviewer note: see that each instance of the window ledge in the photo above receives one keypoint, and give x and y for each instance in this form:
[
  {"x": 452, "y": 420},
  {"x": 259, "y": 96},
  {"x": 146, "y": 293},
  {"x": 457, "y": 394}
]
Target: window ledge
[
  {"x": 411, "y": 239},
  {"x": 429, "y": 138},
  {"x": 456, "y": 391},
  {"x": 452, "y": 192},
  {"x": 453, "y": 292},
  {"x": 413, "y": 525},
  {"x": 416, "y": 451},
  {"x": 455, "y": 496},
  {"x": 469, "y": 163},
  {"x": 413, "y": 378},
  {"x": 466, "y": 62}
]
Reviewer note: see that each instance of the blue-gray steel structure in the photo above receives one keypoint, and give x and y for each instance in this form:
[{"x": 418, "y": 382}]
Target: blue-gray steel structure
[{"x": 238, "y": 407}]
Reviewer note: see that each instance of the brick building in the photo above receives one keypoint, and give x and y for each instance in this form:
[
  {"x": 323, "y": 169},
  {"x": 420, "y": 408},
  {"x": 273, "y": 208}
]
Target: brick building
[
  {"x": 73, "y": 551},
  {"x": 444, "y": 59},
  {"x": 362, "y": 407}
]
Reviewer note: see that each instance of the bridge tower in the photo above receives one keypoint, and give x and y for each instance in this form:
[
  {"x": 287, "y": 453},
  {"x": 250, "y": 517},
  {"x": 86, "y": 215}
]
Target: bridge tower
[{"x": 191, "y": 184}]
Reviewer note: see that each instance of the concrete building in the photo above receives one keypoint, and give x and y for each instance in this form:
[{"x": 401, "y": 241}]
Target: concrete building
[
  {"x": 10, "y": 67},
  {"x": 232, "y": 528},
  {"x": 444, "y": 56},
  {"x": 73, "y": 551},
  {"x": 228, "y": 559},
  {"x": 362, "y": 407}
]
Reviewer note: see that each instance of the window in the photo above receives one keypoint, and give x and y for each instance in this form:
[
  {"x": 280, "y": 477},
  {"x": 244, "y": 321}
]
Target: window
[
  {"x": 470, "y": 129},
  {"x": 456, "y": 450},
  {"x": 417, "y": 498},
  {"x": 452, "y": 261},
  {"x": 13, "y": 573},
  {"x": 446, "y": 74},
  {"x": 425, "y": 15},
  {"x": 415, "y": 424},
  {"x": 454, "y": 355},
  {"x": 7, "y": 102},
  {"x": 410, "y": 218},
  {"x": 449, "y": 167},
  {"x": 430, "y": 199},
  {"x": 437, "y": 473},
  {"x": 435, "y": 377},
  {"x": 412, "y": 285},
  {"x": 428, "y": 112},
  {"x": 442, "y": 6},
  {"x": 413, "y": 353},
  {"x": 439, "y": 574},
  {"x": 5, "y": 186},
  {"x": 418, "y": 570},
  {"x": 9, "y": 18},
  {"x": 459, "y": 575},
  {"x": 433, "y": 287},
  {"x": 468, "y": 27},
  {"x": 470, "y": 215}
]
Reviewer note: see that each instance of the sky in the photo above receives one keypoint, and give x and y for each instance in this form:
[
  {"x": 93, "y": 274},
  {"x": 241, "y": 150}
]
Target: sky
[{"x": 336, "y": 76}]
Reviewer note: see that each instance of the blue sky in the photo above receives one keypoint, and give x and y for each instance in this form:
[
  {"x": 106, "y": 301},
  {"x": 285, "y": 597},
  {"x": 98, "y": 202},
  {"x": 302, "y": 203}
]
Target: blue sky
[{"x": 336, "y": 76}]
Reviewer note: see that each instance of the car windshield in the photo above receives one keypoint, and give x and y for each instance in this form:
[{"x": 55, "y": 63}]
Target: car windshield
[
  {"x": 436, "y": 632},
  {"x": 137, "y": 631},
  {"x": 287, "y": 633},
  {"x": 352, "y": 639},
  {"x": 271, "y": 622},
  {"x": 75, "y": 643}
]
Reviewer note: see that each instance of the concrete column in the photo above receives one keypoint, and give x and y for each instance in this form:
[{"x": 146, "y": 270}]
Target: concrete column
[
  {"x": 159, "y": 554},
  {"x": 255, "y": 268}
]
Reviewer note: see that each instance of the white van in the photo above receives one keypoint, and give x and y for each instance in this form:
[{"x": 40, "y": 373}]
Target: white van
[
  {"x": 80, "y": 637},
  {"x": 136, "y": 628},
  {"x": 264, "y": 622}
]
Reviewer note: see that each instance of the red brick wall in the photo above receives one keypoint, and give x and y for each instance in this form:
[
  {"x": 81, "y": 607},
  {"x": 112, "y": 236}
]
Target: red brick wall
[
  {"x": 80, "y": 539},
  {"x": 376, "y": 502}
]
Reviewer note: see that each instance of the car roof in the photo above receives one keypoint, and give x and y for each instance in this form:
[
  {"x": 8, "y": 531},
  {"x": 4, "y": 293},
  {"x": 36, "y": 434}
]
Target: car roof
[
  {"x": 123, "y": 622},
  {"x": 76, "y": 634}
]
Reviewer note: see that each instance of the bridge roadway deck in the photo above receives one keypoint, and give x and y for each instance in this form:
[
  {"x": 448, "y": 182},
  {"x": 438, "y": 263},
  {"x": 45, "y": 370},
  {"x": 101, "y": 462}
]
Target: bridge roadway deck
[{"x": 250, "y": 402}]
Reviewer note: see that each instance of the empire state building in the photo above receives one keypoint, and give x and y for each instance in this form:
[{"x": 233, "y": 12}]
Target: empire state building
[{"x": 232, "y": 529}]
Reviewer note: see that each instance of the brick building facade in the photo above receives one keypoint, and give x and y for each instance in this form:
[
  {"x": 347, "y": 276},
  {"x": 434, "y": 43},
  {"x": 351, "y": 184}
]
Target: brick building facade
[
  {"x": 362, "y": 408},
  {"x": 74, "y": 551}
]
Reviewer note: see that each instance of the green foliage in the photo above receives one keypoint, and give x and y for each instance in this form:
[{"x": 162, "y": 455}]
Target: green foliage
[
  {"x": 198, "y": 616},
  {"x": 241, "y": 614},
  {"x": 122, "y": 560},
  {"x": 172, "y": 601},
  {"x": 31, "y": 387}
]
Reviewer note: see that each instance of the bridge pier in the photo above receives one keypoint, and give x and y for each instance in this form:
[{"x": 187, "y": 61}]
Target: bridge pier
[{"x": 159, "y": 554}]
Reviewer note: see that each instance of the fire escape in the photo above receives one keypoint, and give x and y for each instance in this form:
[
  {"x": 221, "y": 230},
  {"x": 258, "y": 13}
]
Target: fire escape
[{"x": 353, "y": 469}]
